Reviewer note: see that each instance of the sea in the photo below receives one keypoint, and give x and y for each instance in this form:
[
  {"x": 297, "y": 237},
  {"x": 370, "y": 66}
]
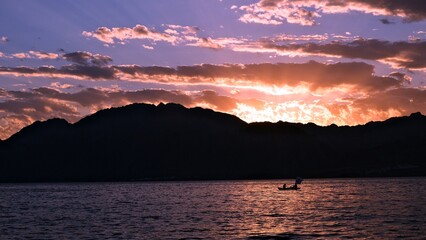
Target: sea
[{"x": 376, "y": 208}]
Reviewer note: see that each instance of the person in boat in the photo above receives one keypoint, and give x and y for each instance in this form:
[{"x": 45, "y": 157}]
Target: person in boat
[
  {"x": 294, "y": 186},
  {"x": 284, "y": 186}
]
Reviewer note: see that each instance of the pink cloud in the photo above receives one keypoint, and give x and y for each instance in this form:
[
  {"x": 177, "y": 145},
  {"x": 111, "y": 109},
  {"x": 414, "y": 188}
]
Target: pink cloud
[
  {"x": 21, "y": 55},
  {"x": 31, "y": 55},
  {"x": 206, "y": 43},
  {"x": 43, "y": 55},
  {"x": 306, "y": 12},
  {"x": 110, "y": 36},
  {"x": 173, "y": 34}
]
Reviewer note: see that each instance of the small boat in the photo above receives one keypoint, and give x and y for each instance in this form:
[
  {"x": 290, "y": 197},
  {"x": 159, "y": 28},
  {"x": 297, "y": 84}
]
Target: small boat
[
  {"x": 289, "y": 188},
  {"x": 294, "y": 187}
]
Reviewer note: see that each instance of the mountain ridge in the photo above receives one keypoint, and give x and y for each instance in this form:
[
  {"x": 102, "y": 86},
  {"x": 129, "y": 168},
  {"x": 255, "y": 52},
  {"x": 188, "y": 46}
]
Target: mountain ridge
[
  {"x": 169, "y": 141},
  {"x": 412, "y": 115}
]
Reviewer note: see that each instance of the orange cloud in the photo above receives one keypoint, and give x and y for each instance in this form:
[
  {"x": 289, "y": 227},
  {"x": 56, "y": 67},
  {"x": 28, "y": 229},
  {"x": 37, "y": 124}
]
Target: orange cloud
[{"x": 402, "y": 100}]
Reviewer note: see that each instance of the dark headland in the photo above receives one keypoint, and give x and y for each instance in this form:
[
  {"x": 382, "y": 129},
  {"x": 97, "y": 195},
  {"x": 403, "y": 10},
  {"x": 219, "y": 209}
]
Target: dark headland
[{"x": 171, "y": 142}]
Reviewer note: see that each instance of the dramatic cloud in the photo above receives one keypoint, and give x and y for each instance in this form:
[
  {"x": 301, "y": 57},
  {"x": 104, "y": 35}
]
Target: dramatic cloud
[
  {"x": 221, "y": 103},
  {"x": 320, "y": 76},
  {"x": 70, "y": 71},
  {"x": 332, "y": 73},
  {"x": 86, "y": 58},
  {"x": 398, "y": 54},
  {"x": 380, "y": 106},
  {"x": 84, "y": 65},
  {"x": 275, "y": 12},
  {"x": 306, "y": 12},
  {"x": 403, "y": 100}
]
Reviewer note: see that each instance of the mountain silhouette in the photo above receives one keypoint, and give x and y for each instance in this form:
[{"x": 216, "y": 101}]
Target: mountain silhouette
[{"x": 171, "y": 142}]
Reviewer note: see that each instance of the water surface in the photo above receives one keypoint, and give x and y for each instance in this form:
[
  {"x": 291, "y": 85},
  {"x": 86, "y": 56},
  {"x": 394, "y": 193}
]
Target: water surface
[{"x": 382, "y": 208}]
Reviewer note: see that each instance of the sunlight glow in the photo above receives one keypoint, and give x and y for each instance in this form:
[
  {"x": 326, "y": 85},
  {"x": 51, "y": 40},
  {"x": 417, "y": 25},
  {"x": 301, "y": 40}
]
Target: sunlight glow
[{"x": 293, "y": 111}]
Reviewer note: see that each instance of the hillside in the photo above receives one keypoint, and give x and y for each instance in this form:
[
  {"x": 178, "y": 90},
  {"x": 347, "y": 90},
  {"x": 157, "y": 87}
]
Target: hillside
[{"x": 169, "y": 141}]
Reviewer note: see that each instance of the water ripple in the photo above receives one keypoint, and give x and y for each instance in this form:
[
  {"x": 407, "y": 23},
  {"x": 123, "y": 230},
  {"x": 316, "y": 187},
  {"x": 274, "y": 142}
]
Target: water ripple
[{"x": 322, "y": 209}]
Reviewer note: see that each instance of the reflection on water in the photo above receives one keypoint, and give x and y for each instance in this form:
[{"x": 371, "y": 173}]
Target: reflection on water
[{"x": 340, "y": 208}]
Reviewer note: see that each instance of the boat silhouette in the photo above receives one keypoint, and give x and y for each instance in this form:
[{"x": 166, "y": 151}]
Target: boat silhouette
[
  {"x": 289, "y": 188},
  {"x": 294, "y": 187}
]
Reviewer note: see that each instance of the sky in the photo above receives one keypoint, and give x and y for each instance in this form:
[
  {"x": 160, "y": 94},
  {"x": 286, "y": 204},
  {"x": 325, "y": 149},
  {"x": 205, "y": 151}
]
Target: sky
[{"x": 321, "y": 61}]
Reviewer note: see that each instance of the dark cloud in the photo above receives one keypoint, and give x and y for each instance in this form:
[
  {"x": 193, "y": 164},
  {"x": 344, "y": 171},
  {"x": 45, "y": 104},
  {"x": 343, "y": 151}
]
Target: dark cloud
[
  {"x": 414, "y": 10},
  {"x": 91, "y": 72},
  {"x": 153, "y": 96},
  {"x": 92, "y": 97},
  {"x": 84, "y": 65},
  {"x": 35, "y": 106},
  {"x": 306, "y": 12},
  {"x": 18, "y": 70},
  {"x": 318, "y": 75},
  {"x": 269, "y": 3},
  {"x": 139, "y": 29},
  {"x": 153, "y": 70},
  {"x": 408, "y": 55},
  {"x": 386, "y": 21},
  {"x": 223, "y": 103},
  {"x": 87, "y": 58},
  {"x": 73, "y": 71}
]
